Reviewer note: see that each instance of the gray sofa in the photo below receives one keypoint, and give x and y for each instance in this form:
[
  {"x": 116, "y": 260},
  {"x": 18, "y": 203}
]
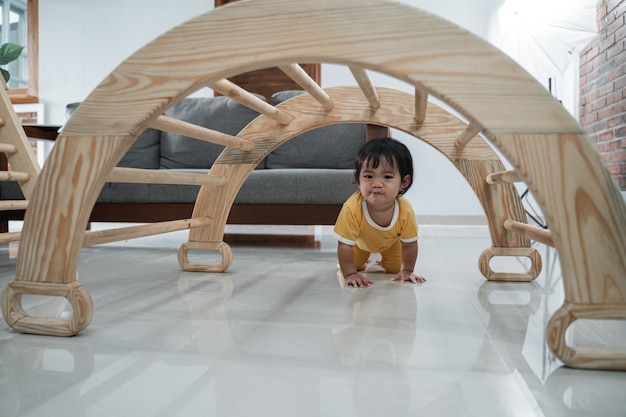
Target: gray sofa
[{"x": 300, "y": 182}]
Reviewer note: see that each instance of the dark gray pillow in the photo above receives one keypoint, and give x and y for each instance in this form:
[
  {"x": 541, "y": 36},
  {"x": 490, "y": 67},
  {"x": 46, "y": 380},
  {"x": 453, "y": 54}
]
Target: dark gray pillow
[
  {"x": 329, "y": 147},
  {"x": 218, "y": 113},
  {"x": 145, "y": 152},
  {"x": 280, "y": 96}
]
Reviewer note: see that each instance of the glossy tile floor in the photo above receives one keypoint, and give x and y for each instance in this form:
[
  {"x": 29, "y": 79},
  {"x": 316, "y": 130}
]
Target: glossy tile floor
[{"x": 276, "y": 336}]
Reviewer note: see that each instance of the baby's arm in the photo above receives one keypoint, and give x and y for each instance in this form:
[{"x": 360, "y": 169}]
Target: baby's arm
[
  {"x": 345, "y": 255},
  {"x": 409, "y": 257}
]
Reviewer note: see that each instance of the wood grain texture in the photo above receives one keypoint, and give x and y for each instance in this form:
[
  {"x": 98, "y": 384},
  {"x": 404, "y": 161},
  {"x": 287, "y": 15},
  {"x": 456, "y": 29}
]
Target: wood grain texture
[
  {"x": 133, "y": 232},
  {"x": 19, "y": 151},
  {"x": 17, "y": 318},
  {"x": 14, "y": 176},
  {"x": 10, "y": 237},
  {"x": 531, "y": 232},
  {"x": 7, "y": 148},
  {"x": 503, "y": 177},
  {"x": 191, "y": 130},
  {"x": 499, "y": 203},
  {"x": 267, "y": 81},
  {"x": 583, "y": 207},
  {"x": 223, "y": 248},
  {"x": 13, "y": 204},
  {"x": 397, "y": 110},
  {"x": 545, "y": 145},
  {"x": 470, "y": 132},
  {"x": 588, "y": 358},
  {"x": 304, "y": 80},
  {"x": 484, "y": 264},
  {"x": 248, "y": 99},
  {"x": 421, "y": 104},
  {"x": 471, "y": 75},
  {"x": 65, "y": 191},
  {"x": 155, "y": 176},
  {"x": 365, "y": 84}
]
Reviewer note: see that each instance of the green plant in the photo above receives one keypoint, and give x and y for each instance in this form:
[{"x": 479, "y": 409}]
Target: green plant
[{"x": 9, "y": 52}]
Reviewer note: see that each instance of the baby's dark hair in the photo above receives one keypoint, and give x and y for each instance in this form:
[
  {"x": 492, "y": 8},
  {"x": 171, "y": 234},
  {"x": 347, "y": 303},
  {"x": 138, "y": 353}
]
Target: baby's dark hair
[{"x": 390, "y": 150}]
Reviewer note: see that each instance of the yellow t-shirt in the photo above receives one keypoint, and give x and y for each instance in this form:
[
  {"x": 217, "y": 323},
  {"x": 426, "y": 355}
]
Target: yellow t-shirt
[{"x": 355, "y": 226}]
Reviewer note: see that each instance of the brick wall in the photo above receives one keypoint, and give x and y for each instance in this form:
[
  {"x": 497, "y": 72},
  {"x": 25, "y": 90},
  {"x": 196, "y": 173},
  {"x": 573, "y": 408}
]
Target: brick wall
[{"x": 603, "y": 87}]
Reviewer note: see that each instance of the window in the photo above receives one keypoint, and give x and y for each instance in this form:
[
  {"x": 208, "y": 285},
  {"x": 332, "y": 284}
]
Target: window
[{"x": 19, "y": 25}]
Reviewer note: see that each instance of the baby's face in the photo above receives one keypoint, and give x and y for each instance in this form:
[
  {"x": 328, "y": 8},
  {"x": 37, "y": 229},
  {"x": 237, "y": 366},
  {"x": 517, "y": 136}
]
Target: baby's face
[{"x": 380, "y": 185}]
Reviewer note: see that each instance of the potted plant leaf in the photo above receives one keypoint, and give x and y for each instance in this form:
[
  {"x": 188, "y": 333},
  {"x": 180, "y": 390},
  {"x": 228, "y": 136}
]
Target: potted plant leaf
[{"x": 9, "y": 52}]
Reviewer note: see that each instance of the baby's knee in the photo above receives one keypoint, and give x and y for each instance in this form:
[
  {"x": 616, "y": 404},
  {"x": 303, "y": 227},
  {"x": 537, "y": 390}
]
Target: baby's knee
[{"x": 391, "y": 267}]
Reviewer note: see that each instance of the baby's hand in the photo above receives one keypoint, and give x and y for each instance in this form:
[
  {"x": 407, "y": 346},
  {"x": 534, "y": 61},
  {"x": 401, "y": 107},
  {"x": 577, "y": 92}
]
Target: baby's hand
[
  {"x": 408, "y": 276},
  {"x": 357, "y": 280}
]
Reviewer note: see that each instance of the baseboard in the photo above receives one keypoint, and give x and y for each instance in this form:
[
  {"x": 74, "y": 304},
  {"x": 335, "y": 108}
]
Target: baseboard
[
  {"x": 452, "y": 220},
  {"x": 274, "y": 240}
]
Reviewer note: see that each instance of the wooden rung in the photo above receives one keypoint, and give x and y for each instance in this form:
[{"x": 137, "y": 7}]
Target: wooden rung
[
  {"x": 365, "y": 84},
  {"x": 7, "y": 148},
  {"x": 468, "y": 134},
  {"x": 242, "y": 96},
  {"x": 14, "y": 176},
  {"x": 156, "y": 176},
  {"x": 421, "y": 103},
  {"x": 10, "y": 237},
  {"x": 134, "y": 232},
  {"x": 169, "y": 124},
  {"x": 503, "y": 177},
  {"x": 531, "y": 232},
  {"x": 6, "y": 205},
  {"x": 304, "y": 80}
]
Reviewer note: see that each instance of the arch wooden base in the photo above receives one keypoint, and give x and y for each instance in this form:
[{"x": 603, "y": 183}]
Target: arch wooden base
[
  {"x": 223, "y": 248},
  {"x": 21, "y": 321},
  {"x": 592, "y": 358},
  {"x": 484, "y": 264}
]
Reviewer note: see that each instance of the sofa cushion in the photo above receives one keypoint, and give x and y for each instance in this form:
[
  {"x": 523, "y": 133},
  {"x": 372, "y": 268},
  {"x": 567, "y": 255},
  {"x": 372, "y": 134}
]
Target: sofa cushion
[
  {"x": 218, "y": 113},
  {"x": 329, "y": 147},
  {"x": 289, "y": 186},
  {"x": 145, "y": 152},
  {"x": 10, "y": 190}
]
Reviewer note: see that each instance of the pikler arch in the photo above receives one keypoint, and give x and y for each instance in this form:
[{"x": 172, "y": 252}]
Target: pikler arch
[
  {"x": 395, "y": 109},
  {"x": 548, "y": 149}
]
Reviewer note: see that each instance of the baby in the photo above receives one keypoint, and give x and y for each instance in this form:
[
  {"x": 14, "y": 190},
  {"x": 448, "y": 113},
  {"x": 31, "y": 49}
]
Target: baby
[{"x": 377, "y": 218}]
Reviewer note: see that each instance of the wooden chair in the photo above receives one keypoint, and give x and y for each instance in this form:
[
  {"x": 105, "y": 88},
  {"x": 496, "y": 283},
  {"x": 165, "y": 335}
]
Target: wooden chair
[{"x": 546, "y": 146}]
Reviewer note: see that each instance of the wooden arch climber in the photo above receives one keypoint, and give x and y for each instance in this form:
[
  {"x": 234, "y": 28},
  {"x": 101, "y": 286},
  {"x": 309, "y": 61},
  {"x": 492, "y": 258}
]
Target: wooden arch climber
[
  {"x": 475, "y": 160},
  {"x": 547, "y": 148}
]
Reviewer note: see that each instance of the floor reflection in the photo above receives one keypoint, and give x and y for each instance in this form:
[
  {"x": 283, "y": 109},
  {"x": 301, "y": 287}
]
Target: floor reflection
[
  {"x": 558, "y": 390},
  {"x": 276, "y": 336},
  {"x": 35, "y": 371}
]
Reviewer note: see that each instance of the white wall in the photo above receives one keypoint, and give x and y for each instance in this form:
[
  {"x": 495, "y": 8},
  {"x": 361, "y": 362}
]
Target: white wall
[{"x": 82, "y": 41}]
